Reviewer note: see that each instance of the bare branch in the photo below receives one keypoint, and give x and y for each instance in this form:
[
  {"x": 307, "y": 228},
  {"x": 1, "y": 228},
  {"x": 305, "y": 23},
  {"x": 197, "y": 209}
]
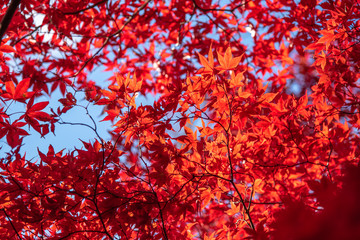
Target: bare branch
[{"x": 5, "y": 22}]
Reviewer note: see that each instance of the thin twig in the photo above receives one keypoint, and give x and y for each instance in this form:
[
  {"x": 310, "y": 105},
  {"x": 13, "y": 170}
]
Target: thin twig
[
  {"x": 118, "y": 32},
  {"x": 12, "y": 225},
  {"x": 85, "y": 9}
]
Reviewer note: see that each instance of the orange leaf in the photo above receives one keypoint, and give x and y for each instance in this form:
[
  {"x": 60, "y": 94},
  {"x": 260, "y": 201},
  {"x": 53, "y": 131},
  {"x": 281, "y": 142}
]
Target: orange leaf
[
  {"x": 244, "y": 94},
  {"x": 228, "y": 62},
  {"x": 234, "y": 209}
]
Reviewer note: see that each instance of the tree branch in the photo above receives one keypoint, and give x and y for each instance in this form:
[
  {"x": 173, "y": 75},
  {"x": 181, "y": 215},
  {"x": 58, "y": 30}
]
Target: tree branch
[
  {"x": 118, "y": 32},
  {"x": 83, "y": 10},
  {"x": 8, "y": 16},
  {"x": 12, "y": 225}
]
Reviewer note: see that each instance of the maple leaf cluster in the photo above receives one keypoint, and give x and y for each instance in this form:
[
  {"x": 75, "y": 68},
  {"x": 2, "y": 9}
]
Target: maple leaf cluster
[{"x": 235, "y": 120}]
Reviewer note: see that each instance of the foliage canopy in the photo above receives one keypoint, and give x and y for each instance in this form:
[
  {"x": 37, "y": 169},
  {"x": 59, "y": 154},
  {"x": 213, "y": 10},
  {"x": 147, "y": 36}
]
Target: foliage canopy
[{"x": 248, "y": 126}]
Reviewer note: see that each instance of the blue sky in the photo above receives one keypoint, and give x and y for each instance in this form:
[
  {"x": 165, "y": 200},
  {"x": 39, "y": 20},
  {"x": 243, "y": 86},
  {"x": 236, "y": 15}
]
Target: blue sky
[{"x": 68, "y": 136}]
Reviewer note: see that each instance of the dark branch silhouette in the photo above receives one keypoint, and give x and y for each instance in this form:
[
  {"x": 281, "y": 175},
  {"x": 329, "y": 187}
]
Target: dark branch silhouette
[{"x": 5, "y": 22}]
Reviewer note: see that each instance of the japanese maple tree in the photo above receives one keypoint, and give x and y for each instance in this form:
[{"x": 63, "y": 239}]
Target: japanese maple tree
[{"x": 230, "y": 119}]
